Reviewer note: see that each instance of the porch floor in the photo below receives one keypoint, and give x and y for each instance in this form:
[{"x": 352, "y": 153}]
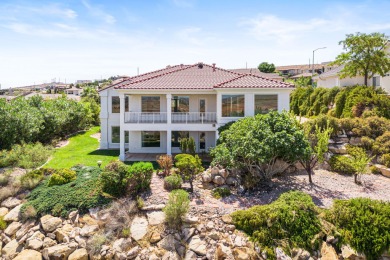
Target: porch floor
[{"x": 148, "y": 157}]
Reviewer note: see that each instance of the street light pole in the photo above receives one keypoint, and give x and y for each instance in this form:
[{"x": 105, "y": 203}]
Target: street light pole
[{"x": 312, "y": 66}]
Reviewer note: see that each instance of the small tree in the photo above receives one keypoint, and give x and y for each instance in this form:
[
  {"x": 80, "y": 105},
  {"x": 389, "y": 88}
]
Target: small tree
[
  {"x": 177, "y": 206},
  {"x": 359, "y": 162},
  {"x": 266, "y": 67},
  {"x": 365, "y": 56},
  {"x": 187, "y": 145},
  {"x": 318, "y": 147},
  {"x": 189, "y": 167},
  {"x": 183, "y": 145},
  {"x": 166, "y": 163}
]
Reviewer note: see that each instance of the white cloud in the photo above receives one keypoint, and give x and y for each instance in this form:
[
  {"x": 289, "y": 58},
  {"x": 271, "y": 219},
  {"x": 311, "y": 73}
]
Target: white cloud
[
  {"x": 99, "y": 12},
  {"x": 190, "y": 35}
]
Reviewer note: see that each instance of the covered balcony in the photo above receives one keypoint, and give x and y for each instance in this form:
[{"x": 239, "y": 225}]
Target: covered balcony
[{"x": 176, "y": 117}]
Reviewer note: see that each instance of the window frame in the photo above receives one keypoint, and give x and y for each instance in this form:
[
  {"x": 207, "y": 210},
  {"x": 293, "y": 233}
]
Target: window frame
[
  {"x": 142, "y": 104},
  {"x": 142, "y": 139},
  {"x": 119, "y": 135},
  {"x": 254, "y": 102},
  {"x": 231, "y": 112}
]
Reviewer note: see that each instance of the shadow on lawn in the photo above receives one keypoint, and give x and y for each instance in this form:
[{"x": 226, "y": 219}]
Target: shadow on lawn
[{"x": 105, "y": 152}]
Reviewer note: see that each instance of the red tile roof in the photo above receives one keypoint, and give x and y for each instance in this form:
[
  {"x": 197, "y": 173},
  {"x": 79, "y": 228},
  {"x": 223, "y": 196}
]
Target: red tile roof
[{"x": 191, "y": 77}]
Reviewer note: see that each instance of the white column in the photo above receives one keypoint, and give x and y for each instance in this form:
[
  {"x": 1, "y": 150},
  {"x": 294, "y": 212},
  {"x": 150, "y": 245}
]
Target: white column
[
  {"x": 249, "y": 104},
  {"x": 169, "y": 142},
  {"x": 122, "y": 124},
  {"x": 104, "y": 119},
  {"x": 169, "y": 108}
]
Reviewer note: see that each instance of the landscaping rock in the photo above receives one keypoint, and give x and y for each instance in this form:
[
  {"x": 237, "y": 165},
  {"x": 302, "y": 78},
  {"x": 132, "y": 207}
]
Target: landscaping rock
[
  {"x": 28, "y": 254},
  {"x": 338, "y": 148},
  {"x": 206, "y": 177},
  {"x": 222, "y": 251},
  {"x": 48, "y": 242},
  {"x": 11, "y": 249},
  {"x": 26, "y": 227},
  {"x": 12, "y": 228},
  {"x": 214, "y": 171},
  {"x": 122, "y": 245},
  {"x": 13, "y": 215},
  {"x": 79, "y": 254},
  {"x": 231, "y": 181},
  {"x": 35, "y": 241},
  {"x": 168, "y": 243},
  {"x": 187, "y": 233},
  {"x": 139, "y": 228},
  {"x": 11, "y": 202},
  {"x": 3, "y": 211},
  {"x": 384, "y": 170},
  {"x": 170, "y": 256},
  {"x": 197, "y": 245},
  {"x": 155, "y": 237},
  {"x": 328, "y": 252},
  {"x": 349, "y": 253},
  {"x": 88, "y": 220},
  {"x": 153, "y": 207},
  {"x": 224, "y": 173},
  {"x": 155, "y": 217},
  {"x": 219, "y": 180},
  {"x": 190, "y": 255},
  {"x": 133, "y": 252},
  {"x": 88, "y": 230},
  {"x": 280, "y": 255},
  {"x": 59, "y": 251},
  {"x": 50, "y": 223},
  {"x": 191, "y": 219},
  {"x": 240, "y": 254},
  {"x": 227, "y": 219},
  {"x": 214, "y": 235}
]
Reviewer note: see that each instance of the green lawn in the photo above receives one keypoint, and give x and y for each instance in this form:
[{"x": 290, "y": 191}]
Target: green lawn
[{"x": 82, "y": 149}]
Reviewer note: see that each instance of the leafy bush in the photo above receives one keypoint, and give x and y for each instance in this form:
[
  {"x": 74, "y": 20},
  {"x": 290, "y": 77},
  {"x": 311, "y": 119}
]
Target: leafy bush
[
  {"x": 113, "y": 178},
  {"x": 140, "y": 175},
  {"x": 173, "y": 182},
  {"x": 341, "y": 164},
  {"x": 385, "y": 159},
  {"x": 31, "y": 179},
  {"x": 220, "y": 192},
  {"x": 165, "y": 162},
  {"x": 176, "y": 207},
  {"x": 4, "y": 178},
  {"x": 367, "y": 143},
  {"x": 372, "y": 127},
  {"x": 187, "y": 145},
  {"x": 375, "y": 170},
  {"x": 382, "y": 144},
  {"x": 29, "y": 213},
  {"x": 3, "y": 224},
  {"x": 82, "y": 194},
  {"x": 322, "y": 122},
  {"x": 364, "y": 224},
  {"x": 27, "y": 156},
  {"x": 291, "y": 219},
  {"x": 62, "y": 176},
  {"x": 189, "y": 166},
  {"x": 225, "y": 127}
]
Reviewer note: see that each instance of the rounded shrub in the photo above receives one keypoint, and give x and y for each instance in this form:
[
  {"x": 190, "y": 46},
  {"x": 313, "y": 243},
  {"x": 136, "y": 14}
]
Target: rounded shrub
[
  {"x": 385, "y": 160},
  {"x": 176, "y": 207},
  {"x": 31, "y": 179},
  {"x": 341, "y": 164},
  {"x": 140, "y": 175},
  {"x": 375, "y": 170},
  {"x": 3, "y": 224},
  {"x": 220, "y": 192},
  {"x": 62, "y": 176},
  {"x": 173, "y": 182},
  {"x": 113, "y": 178}
]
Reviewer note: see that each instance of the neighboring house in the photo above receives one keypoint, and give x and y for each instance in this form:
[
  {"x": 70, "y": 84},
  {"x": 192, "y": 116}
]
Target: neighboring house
[
  {"x": 82, "y": 81},
  {"x": 302, "y": 75},
  {"x": 255, "y": 71},
  {"x": 52, "y": 96},
  {"x": 151, "y": 112},
  {"x": 293, "y": 70},
  {"x": 74, "y": 91},
  {"x": 332, "y": 79}
]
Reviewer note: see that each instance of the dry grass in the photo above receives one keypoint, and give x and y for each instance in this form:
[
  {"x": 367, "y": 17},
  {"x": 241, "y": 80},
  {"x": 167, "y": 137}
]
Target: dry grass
[{"x": 95, "y": 243}]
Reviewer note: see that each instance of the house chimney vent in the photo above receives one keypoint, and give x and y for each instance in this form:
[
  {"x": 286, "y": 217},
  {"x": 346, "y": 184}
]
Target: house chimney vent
[
  {"x": 181, "y": 65},
  {"x": 214, "y": 67},
  {"x": 200, "y": 65}
]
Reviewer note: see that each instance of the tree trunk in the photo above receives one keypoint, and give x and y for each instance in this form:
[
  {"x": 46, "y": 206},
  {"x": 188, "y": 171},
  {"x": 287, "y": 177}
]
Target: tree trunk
[
  {"x": 366, "y": 78},
  {"x": 191, "y": 185},
  {"x": 356, "y": 181},
  {"x": 309, "y": 170}
]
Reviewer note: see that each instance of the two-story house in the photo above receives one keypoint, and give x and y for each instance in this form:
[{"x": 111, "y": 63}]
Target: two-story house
[{"x": 151, "y": 112}]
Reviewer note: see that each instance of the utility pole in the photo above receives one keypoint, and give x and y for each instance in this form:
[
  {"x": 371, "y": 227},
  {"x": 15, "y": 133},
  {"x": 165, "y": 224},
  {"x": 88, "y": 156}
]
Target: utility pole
[{"x": 312, "y": 67}]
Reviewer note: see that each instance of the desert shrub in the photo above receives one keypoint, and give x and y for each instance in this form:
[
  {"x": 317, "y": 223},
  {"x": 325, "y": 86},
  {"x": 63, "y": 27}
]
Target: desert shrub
[
  {"x": 4, "y": 178},
  {"x": 113, "y": 178},
  {"x": 7, "y": 191},
  {"x": 140, "y": 202},
  {"x": 176, "y": 207},
  {"x": 27, "y": 156},
  {"x": 341, "y": 164},
  {"x": 367, "y": 143},
  {"x": 359, "y": 161},
  {"x": 165, "y": 162},
  {"x": 375, "y": 170},
  {"x": 385, "y": 159},
  {"x": 31, "y": 179},
  {"x": 382, "y": 144},
  {"x": 140, "y": 175},
  {"x": 372, "y": 127},
  {"x": 348, "y": 124},
  {"x": 322, "y": 122},
  {"x": 363, "y": 223},
  {"x": 173, "y": 182},
  {"x": 291, "y": 219},
  {"x": 29, "y": 213},
  {"x": 189, "y": 166},
  {"x": 95, "y": 243},
  {"x": 3, "y": 224},
  {"x": 62, "y": 176},
  {"x": 82, "y": 194},
  {"x": 220, "y": 192}
]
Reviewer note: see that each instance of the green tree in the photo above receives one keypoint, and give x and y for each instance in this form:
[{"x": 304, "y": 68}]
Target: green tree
[
  {"x": 318, "y": 147},
  {"x": 359, "y": 162},
  {"x": 189, "y": 167},
  {"x": 365, "y": 55},
  {"x": 266, "y": 67},
  {"x": 91, "y": 93},
  {"x": 255, "y": 144}
]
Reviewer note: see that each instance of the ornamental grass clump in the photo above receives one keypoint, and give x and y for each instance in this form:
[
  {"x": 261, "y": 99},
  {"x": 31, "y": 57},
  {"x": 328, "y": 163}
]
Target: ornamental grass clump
[
  {"x": 173, "y": 182},
  {"x": 176, "y": 208},
  {"x": 290, "y": 221}
]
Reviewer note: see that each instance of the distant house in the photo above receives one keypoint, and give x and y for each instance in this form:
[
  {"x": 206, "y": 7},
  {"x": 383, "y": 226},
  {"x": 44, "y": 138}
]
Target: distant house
[
  {"x": 293, "y": 70},
  {"x": 74, "y": 91},
  {"x": 82, "y": 81},
  {"x": 332, "y": 79},
  {"x": 256, "y": 71},
  {"x": 52, "y": 96},
  {"x": 151, "y": 112}
]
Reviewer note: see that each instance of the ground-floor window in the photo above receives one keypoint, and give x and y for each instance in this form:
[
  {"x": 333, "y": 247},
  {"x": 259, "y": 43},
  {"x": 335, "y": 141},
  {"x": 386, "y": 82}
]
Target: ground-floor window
[
  {"x": 265, "y": 103},
  {"x": 202, "y": 141},
  {"x": 233, "y": 105},
  {"x": 150, "y": 138},
  {"x": 177, "y": 136},
  {"x": 115, "y": 135}
]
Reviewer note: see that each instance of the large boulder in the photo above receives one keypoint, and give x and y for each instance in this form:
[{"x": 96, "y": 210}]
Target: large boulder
[
  {"x": 35, "y": 241},
  {"x": 3, "y": 211},
  {"x": 88, "y": 230},
  {"x": 197, "y": 245},
  {"x": 79, "y": 254},
  {"x": 168, "y": 243},
  {"x": 338, "y": 148},
  {"x": 59, "y": 252},
  {"x": 12, "y": 228},
  {"x": 281, "y": 255},
  {"x": 28, "y": 254},
  {"x": 11, "y": 249},
  {"x": 139, "y": 228},
  {"x": 13, "y": 215},
  {"x": 349, "y": 253},
  {"x": 11, "y": 202},
  {"x": 50, "y": 223},
  {"x": 155, "y": 217},
  {"x": 384, "y": 170},
  {"x": 219, "y": 180},
  {"x": 224, "y": 173},
  {"x": 222, "y": 251},
  {"x": 206, "y": 177},
  {"x": 328, "y": 252},
  {"x": 122, "y": 245}
]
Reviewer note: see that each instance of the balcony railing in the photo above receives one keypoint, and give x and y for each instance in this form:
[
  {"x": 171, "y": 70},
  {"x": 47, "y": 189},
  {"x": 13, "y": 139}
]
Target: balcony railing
[
  {"x": 194, "y": 118},
  {"x": 148, "y": 118},
  {"x": 177, "y": 118}
]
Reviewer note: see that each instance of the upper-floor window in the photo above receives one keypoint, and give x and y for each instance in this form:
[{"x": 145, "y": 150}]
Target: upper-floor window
[
  {"x": 233, "y": 105},
  {"x": 150, "y": 104},
  {"x": 181, "y": 104},
  {"x": 116, "y": 105},
  {"x": 376, "y": 81},
  {"x": 265, "y": 103}
]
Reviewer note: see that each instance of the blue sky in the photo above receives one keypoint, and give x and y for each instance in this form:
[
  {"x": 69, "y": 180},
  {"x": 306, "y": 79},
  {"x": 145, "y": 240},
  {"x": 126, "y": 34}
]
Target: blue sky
[{"x": 43, "y": 40}]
